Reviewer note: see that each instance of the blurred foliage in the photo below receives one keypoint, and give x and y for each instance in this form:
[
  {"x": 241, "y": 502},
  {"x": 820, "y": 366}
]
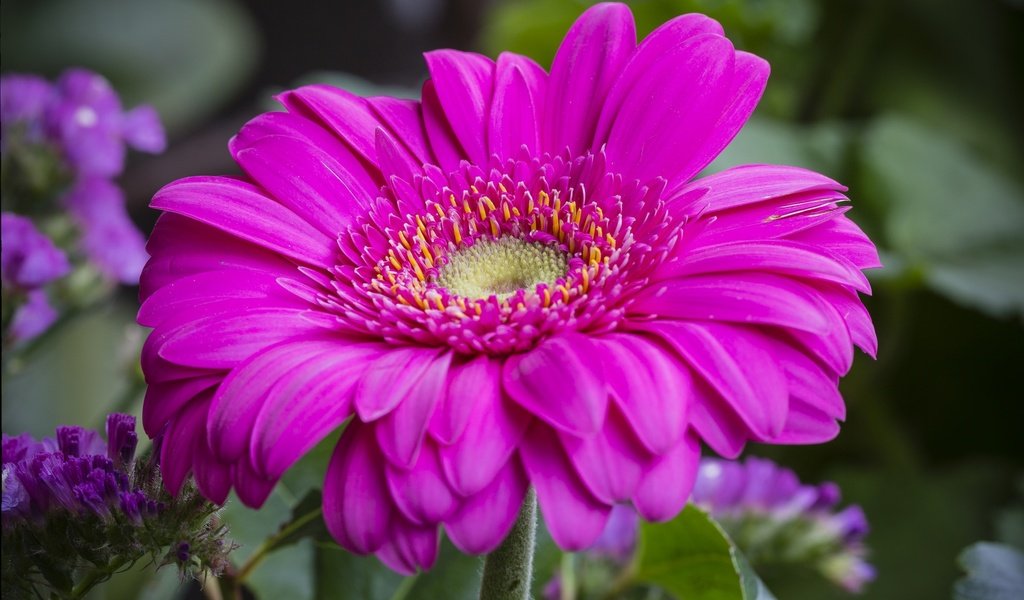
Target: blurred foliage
[
  {"x": 185, "y": 57},
  {"x": 994, "y": 572}
]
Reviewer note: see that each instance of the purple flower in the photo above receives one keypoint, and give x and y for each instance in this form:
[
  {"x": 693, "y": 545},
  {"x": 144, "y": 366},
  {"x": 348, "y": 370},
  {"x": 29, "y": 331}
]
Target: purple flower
[
  {"x": 33, "y": 317},
  {"x": 109, "y": 237},
  {"x": 77, "y": 473},
  {"x": 23, "y": 100},
  {"x": 87, "y": 120},
  {"x": 28, "y": 259}
]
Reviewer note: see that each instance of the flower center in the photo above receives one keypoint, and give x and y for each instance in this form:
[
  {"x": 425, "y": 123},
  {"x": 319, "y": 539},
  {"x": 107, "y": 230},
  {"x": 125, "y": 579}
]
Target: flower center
[{"x": 501, "y": 267}]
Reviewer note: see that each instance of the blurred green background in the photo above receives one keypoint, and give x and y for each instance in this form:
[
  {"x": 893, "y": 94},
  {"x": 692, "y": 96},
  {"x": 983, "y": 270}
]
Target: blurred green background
[{"x": 916, "y": 105}]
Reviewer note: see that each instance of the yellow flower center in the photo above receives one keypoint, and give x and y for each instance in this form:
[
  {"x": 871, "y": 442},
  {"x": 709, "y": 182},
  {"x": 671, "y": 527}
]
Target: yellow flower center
[{"x": 501, "y": 267}]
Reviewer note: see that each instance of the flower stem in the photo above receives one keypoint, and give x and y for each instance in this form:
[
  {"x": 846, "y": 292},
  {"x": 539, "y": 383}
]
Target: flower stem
[{"x": 508, "y": 570}]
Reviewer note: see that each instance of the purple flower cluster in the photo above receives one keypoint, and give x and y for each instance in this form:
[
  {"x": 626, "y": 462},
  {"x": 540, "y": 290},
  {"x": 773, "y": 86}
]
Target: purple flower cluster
[
  {"x": 79, "y": 122},
  {"x": 29, "y": 261},
  {"x": 75, "y": 473}
]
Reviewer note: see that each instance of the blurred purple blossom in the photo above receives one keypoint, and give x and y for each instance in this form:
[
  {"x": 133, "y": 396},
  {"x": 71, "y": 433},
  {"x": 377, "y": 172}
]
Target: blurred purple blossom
[
  {"x": 28, "y": 259},
  {"x": 109, "y": 238}
]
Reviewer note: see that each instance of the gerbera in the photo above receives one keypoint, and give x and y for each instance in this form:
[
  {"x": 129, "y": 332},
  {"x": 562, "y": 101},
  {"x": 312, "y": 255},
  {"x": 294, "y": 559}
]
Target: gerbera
[{"x": 513, "y": 282}]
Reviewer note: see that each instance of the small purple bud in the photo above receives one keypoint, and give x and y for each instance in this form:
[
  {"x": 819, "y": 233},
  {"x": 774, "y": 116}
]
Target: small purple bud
[
  {"x": 121, "y": 438},
  {"x": 183, "y": 552},
  {"x": 851, "y": 523},
  {"x": 828, "y": 496}
]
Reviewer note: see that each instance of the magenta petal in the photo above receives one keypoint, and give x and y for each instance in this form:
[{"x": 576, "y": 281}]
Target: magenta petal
[
  {"x": 404, "y": 120},
  {"x": 485, "y": 518},
  {"x": 399, "y": 374},
  {"x": 443, "y": 143},
  {"x": 409, "y": 548},
  {"x": 252, "y": 488},
  {"x": 470, "y": 383},
  {"x": 164, "y": 400},
  {"x": 213, "y": 287},
  {"x": 806, "y": 425},
  {"x": 651, "y": 386},
  {"x": 667, "y": 118},
  {"x": 307, "y": 180},
  {"x": 464, "y": 83},
  {"x": 668, "y": 482},
  {"x": 589, "y": 60},
  {"x": 494, "y": 429},
  {"x": 653, "y": 48},
  {"x": 741, "y": 298},
  {"x": 305, "y": 406},
  {"x": 242, "y": 395},
  {"x": 572, "y": 514},
  {"x": 561, "y": 382},
  {"x": 736, "y": 366},
  {"x": 213, "y": 477},
  {"x": 422, "y": 493},
  {"x": 514, "y": 120},
  {"x": 610, "y": 462},
  {"x": 357, "y": 505},
  {"x": 778, "y": 256},
  {"x": 222, "y": 341},
  {"x": 749, "y": 184},
  {"x": 345, "y": 114},
  {"x": 719, "y": 427},
  {"x": 179, "y": 445},
  {"x": 401, "y": 432},
  {"x": 242, "y": 210}
]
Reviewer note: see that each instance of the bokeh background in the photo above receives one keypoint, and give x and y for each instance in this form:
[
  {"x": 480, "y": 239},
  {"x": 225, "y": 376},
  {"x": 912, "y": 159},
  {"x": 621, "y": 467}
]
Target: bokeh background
[{"x": 916, "y": 105}]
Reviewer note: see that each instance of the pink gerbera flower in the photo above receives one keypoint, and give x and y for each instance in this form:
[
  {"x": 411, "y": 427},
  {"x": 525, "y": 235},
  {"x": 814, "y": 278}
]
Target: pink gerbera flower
[{"x": 513, "y": 282}]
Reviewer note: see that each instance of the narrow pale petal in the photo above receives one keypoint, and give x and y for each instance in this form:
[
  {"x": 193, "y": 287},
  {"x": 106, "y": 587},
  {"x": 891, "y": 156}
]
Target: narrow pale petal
[
  {"x": 401, "y": 432},
  {"x": 475, "y": 381},
  {"x": 400, "y": 374}
]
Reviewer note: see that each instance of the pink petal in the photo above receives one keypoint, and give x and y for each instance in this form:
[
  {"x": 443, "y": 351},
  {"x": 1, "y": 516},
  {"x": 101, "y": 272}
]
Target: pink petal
[
  {"x": 172, "y": 259},
  {"x": 401, "y": 432},
  {"x": 222, "y": 341},
  {"x": 610, "y": 462},
  {"x": 242, "y": 210},
  {"x": 470, "y": 383},
  {"x": 650, "y": 385},
  {"x": 178, "y": 449},
  {"x": 252, "y": 488},
  {"x": 443, "y": 143},
  {"x": 514, "y": 119},
  {"x": 305, "y": 406},
  {"x": 245, "y": 390},
  {"x": 345, "y": 114},
  {"x": 561, "y": 382},
  {"x": 402, "y": 373},
  {"x": 464, "y": 83},
  {"x": 779, "y": 256},
  {"x": 588, "y": 62},
  {"x": 357, "y": 505},
  {"x": 164, "y": 400},
  {"x": 307, "y": 180},
  {"x": 192, "y": 292},
  {"x": 494, "y": 429},
  {"x": 668, "y": 482},
  {"x": 421, "y": 492},
  {"x": 749, "y": 184},
  {"x": 742, "y": 298},
  {"x": 404, "y": 120},
  {"x": 485, "y": 518},
  {"x": 806, "y": 425},
  {"x": 409, "y": 548},
  {"x": 731, "y": 361},
  {"x": 719, "y": 427},
  {"x": 669, "y": 115},
  {"x": 653, "y": 48},
  {"x": 310, "y": 130},
  {"x": 572, "y": 514}
]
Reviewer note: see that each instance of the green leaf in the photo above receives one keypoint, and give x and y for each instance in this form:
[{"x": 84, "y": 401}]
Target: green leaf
[
  {"x": 693, "y": 559},
  {"x": 819, "y": 147},
  {"x": 949, "y": 214},
  {"x": 340, "y": 575},
  {"x": 994, "y": 572}
]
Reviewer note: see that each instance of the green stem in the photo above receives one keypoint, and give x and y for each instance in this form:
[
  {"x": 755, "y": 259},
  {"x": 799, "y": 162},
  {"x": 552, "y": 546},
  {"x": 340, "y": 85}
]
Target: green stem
[
  {"x": 270, "y": 544},
  {"x": 508, "y": 570},
  {"x": 95, "y": 577},
  {"x": 568, "y": 573}
]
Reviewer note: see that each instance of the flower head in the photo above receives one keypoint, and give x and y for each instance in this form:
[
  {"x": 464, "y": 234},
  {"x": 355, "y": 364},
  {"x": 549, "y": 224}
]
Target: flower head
[
  {"x": 28, "y": 261},
  {"x": 514, "y": 281},
  {"x": 77, "y": 487}
]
